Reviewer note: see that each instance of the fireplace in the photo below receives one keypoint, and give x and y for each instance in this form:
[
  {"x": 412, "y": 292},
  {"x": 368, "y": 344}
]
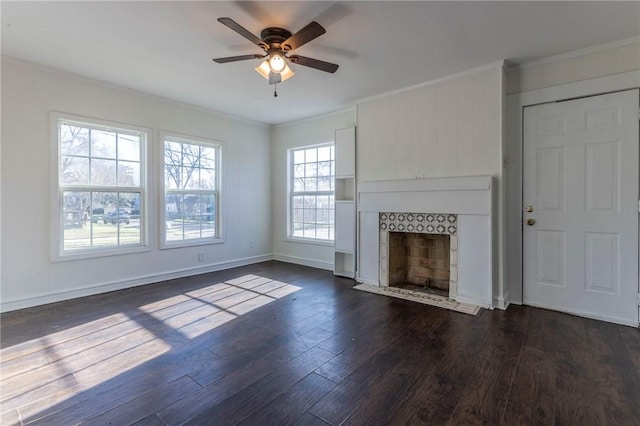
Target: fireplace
[
  {"x": 460, "y": 209},
  {"x": 419, "y": 251}
]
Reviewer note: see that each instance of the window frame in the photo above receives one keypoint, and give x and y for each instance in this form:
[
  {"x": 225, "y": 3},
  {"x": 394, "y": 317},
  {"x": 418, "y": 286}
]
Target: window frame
[
  {"x": 57, "y": 252},
  {"x": 290, "y": 194},
  {"x": 162, "y": 216}
]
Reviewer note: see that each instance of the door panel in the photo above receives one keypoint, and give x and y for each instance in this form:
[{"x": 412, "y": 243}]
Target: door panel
[
  {"x": 603, "y": 177},
  {"x": 580, "y": 170},
  {"x": 550, "y": 179}
]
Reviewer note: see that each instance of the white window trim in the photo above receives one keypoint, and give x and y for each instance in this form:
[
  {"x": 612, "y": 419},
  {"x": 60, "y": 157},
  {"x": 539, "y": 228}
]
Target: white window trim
[
  {"x": 57, "y": 253},
  {"x": 219, "y": 239},
  {"x": 288, "y": 231}
]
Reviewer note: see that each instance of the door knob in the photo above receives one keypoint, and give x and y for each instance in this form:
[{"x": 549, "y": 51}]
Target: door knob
[{"x": 530, "y": 222}]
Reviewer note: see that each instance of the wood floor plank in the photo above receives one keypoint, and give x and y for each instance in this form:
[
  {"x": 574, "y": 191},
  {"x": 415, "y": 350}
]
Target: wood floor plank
[
  {"x": 289, "y": 407},
  {"x": 236, "y": 408},
  {"x": 143, "y": 405},
  {"x": 532, "y": 396},
  {"x": 485, "y": 395}
]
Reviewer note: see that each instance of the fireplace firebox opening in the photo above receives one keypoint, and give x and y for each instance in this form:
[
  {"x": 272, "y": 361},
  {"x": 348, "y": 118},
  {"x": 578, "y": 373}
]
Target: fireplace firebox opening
[{"x": 420, "y": 261}]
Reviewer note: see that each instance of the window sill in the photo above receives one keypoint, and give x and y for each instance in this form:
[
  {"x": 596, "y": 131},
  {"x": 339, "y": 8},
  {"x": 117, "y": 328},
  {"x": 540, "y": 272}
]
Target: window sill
[
  {"x": 82, "y": 255},
  {"x": 183, "y": 244},
  {"x": 326, "y": 243}
]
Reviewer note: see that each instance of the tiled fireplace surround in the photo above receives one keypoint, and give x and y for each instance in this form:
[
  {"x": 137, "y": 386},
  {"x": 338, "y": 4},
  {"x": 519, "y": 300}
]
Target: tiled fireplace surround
[{"x": 461, "y": 207}]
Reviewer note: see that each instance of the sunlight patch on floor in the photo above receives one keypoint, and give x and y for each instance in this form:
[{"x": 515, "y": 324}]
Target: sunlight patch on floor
[{"x": 42, "y": 376}]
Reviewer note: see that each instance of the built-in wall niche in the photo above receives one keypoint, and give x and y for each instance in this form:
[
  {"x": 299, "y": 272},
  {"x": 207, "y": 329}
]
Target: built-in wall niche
[
  {"x": 343, "y": 264},
  {"x": 345, "y": 189}
]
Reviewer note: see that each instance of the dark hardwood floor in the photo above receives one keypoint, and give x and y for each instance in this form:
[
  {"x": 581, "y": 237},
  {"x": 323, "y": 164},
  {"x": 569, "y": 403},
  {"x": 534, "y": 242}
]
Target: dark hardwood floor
[{"x": 277, "y": 344}]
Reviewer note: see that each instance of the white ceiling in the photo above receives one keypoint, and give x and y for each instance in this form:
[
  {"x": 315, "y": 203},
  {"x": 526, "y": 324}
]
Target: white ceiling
[{"x": 165, "y": 48}]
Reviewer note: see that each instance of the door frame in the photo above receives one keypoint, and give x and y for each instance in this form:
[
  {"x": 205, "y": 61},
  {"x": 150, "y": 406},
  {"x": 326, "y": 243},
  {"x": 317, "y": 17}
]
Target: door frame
[{"x": 513, "y": 151}]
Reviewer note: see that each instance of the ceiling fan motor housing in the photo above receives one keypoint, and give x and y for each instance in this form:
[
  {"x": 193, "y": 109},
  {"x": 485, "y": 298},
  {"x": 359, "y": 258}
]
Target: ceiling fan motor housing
[{"x": 274, "y": 36}]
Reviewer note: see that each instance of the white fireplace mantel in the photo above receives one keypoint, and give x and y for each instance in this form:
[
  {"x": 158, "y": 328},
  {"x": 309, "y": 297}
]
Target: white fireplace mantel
[{"x": 469, "y": 197}]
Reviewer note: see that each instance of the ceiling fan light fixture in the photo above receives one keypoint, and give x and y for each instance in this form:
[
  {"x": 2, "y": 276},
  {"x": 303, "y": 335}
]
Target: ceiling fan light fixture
[
  {"x": 287, "y": 73},
  {"x": 277, "y": 62},
  {"x": 263, "y": 69}
]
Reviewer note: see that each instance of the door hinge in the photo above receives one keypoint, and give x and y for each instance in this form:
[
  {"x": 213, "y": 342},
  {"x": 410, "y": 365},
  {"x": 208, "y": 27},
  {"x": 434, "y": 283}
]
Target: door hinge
[{"x": 639, "y": 299}]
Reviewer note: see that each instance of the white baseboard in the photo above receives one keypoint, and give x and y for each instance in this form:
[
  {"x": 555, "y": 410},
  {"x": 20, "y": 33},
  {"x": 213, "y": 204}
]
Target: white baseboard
[
  {"x": 472, "y": 301},
  {"x": 367, "y": 281},
  {"x": 304, "y": 261},
  {"x": 501, "y": 302},
  {"x": 59, "y": 296},
  {"x": 585, "y": 314}
]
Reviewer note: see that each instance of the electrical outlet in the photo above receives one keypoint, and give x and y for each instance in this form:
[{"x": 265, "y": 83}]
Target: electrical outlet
[
  {"x": 251, "y": 243},
  {"x": 200, "y": 257}
]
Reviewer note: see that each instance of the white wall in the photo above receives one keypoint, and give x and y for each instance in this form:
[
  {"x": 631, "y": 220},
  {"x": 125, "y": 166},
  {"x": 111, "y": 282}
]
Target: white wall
[
  {"x": 441, "y": 129},
  {"x": 581, "y": 65},
  {"x": 29, "y": 94},
  {"x": 284, "y": 137}
]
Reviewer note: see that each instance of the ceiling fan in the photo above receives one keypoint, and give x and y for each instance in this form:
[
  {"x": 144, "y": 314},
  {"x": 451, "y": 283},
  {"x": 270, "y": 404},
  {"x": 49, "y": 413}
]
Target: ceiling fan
[{"x": 277, "y": 43}]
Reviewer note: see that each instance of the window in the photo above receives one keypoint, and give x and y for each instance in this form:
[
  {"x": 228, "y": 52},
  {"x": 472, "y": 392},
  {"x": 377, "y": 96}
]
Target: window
[
  {"x": 311, "y": 198},
  {"x": 100, "y": 179},
  {"x": 191, "y": 191}
]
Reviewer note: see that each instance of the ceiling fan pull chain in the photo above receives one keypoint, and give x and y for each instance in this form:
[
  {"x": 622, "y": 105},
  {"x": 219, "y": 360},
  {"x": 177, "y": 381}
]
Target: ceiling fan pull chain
[{"x": 275, "y": 90}]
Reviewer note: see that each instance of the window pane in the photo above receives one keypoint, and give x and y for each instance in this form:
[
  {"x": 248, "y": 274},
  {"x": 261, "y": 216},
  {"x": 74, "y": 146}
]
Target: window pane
[
  {"x": 103, "y": 144},
  {"x": 208, "y": 179},
  {"x": 191, "y": 216},
  {"x": 324, "y": 153},
  {"x": 74, "y": 140},
  {"x": 298, "y": 157},
  {"x": 129, "y": 228},
  {"x": 311, "y": 169},
  {"x": 208, "y": 157},
  {"x": 298, "y": 185},
  {"x": 173, "y": 217},
  {"x": 311, "y": 155},
  {"x": 191, "y": 177},
  {"x": 103, "y": 172},
  {"x": 310, "y": 184},
  {"x": 74, "y": 170},
  {"x": 324, "y": 168},
  {"x": 208, "y": 216},
  {"x": 298, "y": 171},
  {"x": 129, "y": 147},
  {"x": 324, "y": 183},
  {"x": 128, "y": 173},
  {"x": 172, "y": 176},
  {"x": 75, "y": 224}
]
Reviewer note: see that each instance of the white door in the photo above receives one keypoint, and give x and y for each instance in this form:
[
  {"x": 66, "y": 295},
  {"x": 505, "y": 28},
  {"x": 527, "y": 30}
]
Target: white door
[{"x": 580, "y": 170}]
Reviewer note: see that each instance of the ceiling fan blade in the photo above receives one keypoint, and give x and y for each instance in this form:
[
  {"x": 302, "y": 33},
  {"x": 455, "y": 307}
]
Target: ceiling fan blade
[
  {"x": 242, "y": 31},
  {"x": 274, "y": 78},
  {"x": 304, "y": 36},
  {"x": 314, "y": 63},
  {"x": 237, "y": 58}
]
